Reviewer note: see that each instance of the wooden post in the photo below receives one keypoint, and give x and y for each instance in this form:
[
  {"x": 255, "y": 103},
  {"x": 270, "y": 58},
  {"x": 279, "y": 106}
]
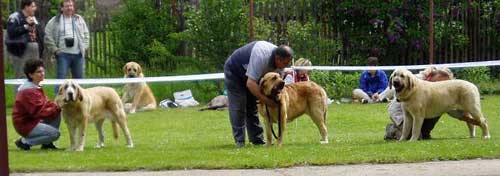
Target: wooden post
[
  {"x": 431, "y": 32},
  {"x": 250, "y": 5},
  {"x": 4, "y": 160}
]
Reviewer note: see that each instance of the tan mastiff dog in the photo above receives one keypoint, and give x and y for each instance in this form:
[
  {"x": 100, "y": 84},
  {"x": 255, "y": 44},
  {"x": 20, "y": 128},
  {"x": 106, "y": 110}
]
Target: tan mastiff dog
[
  {"x": 294, "y": 100},
  {"x": 141, "y": 95},
  {"x": 82, "y": 106},
  {"x": 422, "y": 99}
]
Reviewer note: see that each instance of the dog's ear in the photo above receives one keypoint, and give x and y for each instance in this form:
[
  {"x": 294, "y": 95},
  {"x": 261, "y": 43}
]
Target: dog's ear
[
  {"x": 79, "y": 92},
  {"x": 411, "y": 79},
  {"x": 60, "y": 91},
  {"x": 261, "y": 82},
  {"x": 79, "y": 95},
  {"x": 139, "y": 69},
  {"x": 125, "y": 70}
]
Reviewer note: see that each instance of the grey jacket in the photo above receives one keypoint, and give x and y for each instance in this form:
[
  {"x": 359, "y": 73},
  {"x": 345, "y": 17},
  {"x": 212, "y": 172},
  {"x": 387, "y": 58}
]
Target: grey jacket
[{"x": 52, "y": 34}]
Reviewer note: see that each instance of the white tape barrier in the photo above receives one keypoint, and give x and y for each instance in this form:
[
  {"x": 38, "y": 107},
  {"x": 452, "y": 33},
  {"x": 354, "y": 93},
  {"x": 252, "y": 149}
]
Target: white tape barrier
[
  {"x": 409, "y": 67},
  {"x": 217, "y": 76},
  {"x": 126, "y": 80}
]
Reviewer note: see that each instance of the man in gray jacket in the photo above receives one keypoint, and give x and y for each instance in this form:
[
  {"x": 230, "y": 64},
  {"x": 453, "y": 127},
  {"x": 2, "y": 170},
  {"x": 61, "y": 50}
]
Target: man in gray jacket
[
  {"x": 67, "y": 37},
  {"x": 242, "y": 72}
]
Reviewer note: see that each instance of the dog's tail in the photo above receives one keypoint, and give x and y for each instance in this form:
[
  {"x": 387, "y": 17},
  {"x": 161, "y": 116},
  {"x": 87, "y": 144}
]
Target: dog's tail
[{"x": 115, "y": 130}]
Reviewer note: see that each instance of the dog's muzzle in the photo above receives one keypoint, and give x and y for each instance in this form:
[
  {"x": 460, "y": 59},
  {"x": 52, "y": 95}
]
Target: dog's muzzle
[
  {"x": 397, "y": 85},
  {"x": 277, "y": 89},
  {"x": 70, "y": 96},
  {"x": 130, "y": 76}
]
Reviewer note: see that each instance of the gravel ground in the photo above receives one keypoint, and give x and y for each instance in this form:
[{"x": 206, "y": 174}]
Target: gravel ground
[{"x": 455, "y": 168}]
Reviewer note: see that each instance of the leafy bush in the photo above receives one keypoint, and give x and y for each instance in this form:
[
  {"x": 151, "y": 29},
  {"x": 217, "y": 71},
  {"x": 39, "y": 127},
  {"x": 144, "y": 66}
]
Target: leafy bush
[
  {"x": 306, "y": 38},
  {"x": 475, "y": 75},
  {"x": 263, "y": 29},
  {"x": 143, "y": 33},
  {"x": 215, "y": 30},
  {"x": 337, "y": 84}
]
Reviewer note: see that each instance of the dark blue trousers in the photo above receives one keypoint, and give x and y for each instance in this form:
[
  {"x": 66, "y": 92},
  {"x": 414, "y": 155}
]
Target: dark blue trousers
[{"x": 243, "y": 111}]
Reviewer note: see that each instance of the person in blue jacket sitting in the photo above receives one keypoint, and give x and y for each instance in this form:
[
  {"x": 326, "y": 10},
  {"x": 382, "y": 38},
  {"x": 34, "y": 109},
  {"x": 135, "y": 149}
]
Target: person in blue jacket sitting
[{"x": 371, "y": 84}]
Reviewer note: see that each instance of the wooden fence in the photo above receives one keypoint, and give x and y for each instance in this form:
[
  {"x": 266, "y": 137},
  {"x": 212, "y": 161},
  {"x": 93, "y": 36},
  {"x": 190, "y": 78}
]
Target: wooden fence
[{"x": 479, "y": 28}]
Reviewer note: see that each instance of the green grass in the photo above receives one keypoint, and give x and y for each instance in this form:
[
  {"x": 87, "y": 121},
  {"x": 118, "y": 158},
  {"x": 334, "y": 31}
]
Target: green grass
[{"x": 188, "y": 139}]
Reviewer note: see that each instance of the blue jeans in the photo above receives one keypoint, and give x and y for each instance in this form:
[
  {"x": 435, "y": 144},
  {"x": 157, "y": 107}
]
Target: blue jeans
[
  {"x": 44, "y": 132},
  {"x": 66, "y": 61},
  {"x": 242, "y": 111}
]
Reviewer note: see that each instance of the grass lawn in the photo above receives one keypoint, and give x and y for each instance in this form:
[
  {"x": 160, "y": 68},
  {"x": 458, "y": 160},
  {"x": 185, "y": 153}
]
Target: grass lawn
[{"x": 188, "y": 139}]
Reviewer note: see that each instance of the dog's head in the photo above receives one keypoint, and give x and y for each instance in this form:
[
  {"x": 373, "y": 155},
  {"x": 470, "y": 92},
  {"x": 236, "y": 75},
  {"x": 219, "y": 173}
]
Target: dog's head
[
  {"x": 132, "y": 70},
  {"x": 402, "y": 80},
  {"x": 70, "y": 91},
  {"x": 271, "y": 84}
]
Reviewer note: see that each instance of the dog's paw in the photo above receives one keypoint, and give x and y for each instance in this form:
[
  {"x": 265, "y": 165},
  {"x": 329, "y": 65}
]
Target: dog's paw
[
  {"x": 79, "y": 149},
  {"x": 487, "y": 137},
  {"x": 323, "y": 142},
  {"x": 132, "y": 111},
  {"x": 130, "y": 145}
]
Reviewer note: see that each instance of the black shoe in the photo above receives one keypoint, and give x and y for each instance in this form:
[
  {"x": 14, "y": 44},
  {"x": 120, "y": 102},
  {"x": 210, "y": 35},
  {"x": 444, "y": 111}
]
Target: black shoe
[
  {"x": 22, "y": 145},
  {"x": 384, "y": 100},
  {"x": 240, "y": 144},
  {"x": 364, "y": 101},
  {"x": 50, "y": 146},
  {"x": 258, "y": 142}
]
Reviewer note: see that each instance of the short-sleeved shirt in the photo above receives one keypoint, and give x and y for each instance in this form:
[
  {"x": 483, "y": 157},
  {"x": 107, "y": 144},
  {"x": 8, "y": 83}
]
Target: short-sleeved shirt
[{"x": 251, "y": 61}]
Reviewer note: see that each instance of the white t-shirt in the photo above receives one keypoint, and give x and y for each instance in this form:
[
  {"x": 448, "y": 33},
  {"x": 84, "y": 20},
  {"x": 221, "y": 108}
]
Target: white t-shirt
[{"x": 66, "y": 31}]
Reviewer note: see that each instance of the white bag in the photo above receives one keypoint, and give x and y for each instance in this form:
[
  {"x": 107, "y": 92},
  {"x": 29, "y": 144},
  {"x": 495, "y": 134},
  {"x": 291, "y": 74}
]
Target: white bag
[{"x": 185, "y": 98}]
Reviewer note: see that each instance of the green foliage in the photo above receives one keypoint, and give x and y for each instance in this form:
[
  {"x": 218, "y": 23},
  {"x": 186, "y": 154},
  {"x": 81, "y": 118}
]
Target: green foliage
[
  {"x": 263, "y": 29},
  {"x": 215, "y": 30},
  {"x": 336, "y": 84},
  {"x": 475, "y": 74},
  {"x": 489, "y": 88},
  {"x": 5, "y": 4},
  {"x": 306, "y": 38},
  {"x": 142, "y": 33}
]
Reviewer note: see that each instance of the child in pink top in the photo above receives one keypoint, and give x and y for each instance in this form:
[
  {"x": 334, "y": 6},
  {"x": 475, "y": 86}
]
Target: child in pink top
[{"x": 298, "y": 75}]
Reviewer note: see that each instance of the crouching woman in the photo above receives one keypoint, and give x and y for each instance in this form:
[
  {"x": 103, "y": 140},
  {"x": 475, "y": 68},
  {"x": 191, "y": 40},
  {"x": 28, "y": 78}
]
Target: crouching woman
[{"x": 35, "y": 117}]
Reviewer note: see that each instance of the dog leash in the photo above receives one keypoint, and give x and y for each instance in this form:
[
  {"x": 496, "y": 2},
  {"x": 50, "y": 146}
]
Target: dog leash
[{"x": 271, "y": 123}]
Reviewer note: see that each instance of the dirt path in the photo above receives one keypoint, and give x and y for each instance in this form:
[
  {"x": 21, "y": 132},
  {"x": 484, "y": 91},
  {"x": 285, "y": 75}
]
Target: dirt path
[{"x": 456, "y": 168}]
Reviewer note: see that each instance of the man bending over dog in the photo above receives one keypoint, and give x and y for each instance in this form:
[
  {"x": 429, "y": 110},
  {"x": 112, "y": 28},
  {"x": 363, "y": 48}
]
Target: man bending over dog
[{"x": 242, "y": 71}]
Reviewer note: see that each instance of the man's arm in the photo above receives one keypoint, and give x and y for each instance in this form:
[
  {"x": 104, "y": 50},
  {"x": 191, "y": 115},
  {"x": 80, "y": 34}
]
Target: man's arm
[
  {"x": 15, "y": 28},
  {"x": 383, "y": 82},
  {"x": 363, "y": 86},
  {"x": 49, "y": 40},
  {"x": 255, "y": 89},
  {"x": 86, "y": 33}
]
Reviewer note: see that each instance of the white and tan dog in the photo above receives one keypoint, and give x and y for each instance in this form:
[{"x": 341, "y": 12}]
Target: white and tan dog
[
  {"x": 422, "y": 99},
  {"x": 82, "y": 106},
  {"x": 294, "y": 100},
  {"x": 141, "y": 95}
]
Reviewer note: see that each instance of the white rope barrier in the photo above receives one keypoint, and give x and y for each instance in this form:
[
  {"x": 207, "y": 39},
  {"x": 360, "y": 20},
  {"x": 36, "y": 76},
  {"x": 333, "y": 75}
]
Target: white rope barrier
[
  {"x": 213, "y": 76},
  {"x": 218, "y": 76},
  {"x": 409, "y": 67}
]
